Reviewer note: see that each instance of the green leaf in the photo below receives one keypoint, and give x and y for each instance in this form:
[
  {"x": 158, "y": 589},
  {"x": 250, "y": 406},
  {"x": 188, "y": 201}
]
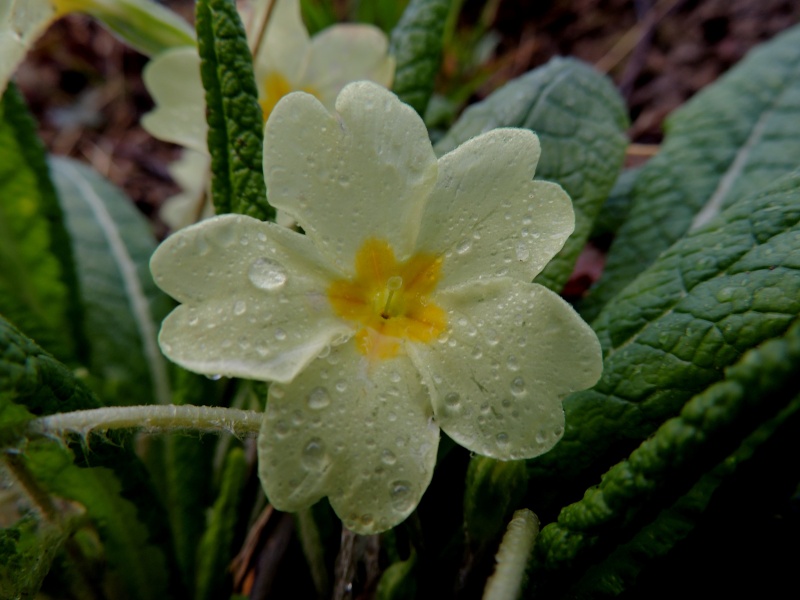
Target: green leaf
[
  {"x": 38, "y": 289},
  {"x": 27, "y": 550},
  {"x": 32, "y": 378},
  {"x": 722, "y": 290},
  {"x": 759, "y": 456},
  {"x": 119, "y": 500},
  {"x": 728, "y": 142},
  {"x": 416, "y": 44},
  {"x": 214, "y": 552},
  {"x": 235, "y": 120},
  {"x": 143, "y": 24},
  {"x": 580, "y": 119},
  {"x": 112, "y": 244},
  {"x": 138, "y": 567},
  {"x": 493, "y": 489},
  {"x": 184, "y": 462},
  {"x": 617, "y": 206},
  {"x": 762, "y": 385}
]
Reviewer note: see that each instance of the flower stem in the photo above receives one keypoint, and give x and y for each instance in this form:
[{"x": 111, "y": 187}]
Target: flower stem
[{"x": 155, "y": 419}]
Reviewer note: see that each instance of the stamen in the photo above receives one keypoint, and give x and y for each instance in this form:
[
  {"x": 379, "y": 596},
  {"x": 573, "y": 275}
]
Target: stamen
[{"x": 393, "y": 284}]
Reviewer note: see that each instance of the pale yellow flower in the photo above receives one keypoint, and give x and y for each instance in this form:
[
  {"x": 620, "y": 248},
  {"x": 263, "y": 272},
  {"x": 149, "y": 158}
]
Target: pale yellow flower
[
  {"x": 143, "y": 24},
  {"x": 287, "y": 60},
  {"x": 405, "y": 308}
]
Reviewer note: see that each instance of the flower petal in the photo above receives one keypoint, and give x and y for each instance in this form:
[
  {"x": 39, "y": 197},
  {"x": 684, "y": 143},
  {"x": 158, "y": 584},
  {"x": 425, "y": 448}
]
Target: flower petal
[
  {"x": 285, "y": 42},
  {"x": 191, "y": 204},
  {"x": 253, "y": 294},
  {"x": 21, "y": 24},
  {"x": 512, "y": 352},
  {"x": 488, "y": 217},
  {"x": 362, "y": 173},
  {"x": 345, "y": 53},
  {"x": 356, "y": 431},
  {"x": 173, "y": 80}
]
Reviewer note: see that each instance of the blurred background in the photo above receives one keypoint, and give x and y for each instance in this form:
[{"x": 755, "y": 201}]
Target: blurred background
[{"x": 86, "y": 91}]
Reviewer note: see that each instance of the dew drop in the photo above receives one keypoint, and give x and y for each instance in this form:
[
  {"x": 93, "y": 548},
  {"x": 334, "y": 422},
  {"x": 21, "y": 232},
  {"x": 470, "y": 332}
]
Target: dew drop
[
  {"x": 477, "y": 353},
  {"x": 523, "y": 252},
  {"x": 239, "y": 307},
  {"x": 502, "y": 440},
  {"x": 512, "y": 363},
  {"x": 280, "y": 334},
  {"x": 464, "y": 246},
  {"x": 453, "y": 401},
  {"x": 388, "y": 457},
  {"x": 540, "y": 437},
  {"x": 267, "y": 274},
  {"x": 341, "y": 386},
  {"x": 518, "y": 386},
  {"x": 313, "y": 457},
  {"x": 318, "y": 398},
  {"x": 281, "y": 429},
  {"x": 400, "y": 495}
]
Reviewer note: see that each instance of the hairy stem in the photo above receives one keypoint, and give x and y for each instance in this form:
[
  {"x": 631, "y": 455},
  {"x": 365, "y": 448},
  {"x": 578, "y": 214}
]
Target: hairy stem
[{"x": 155, "y": 419}]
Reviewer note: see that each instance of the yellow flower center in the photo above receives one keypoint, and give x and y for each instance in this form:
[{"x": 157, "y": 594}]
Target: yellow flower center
[
  {"x": 390, "y": 299},
  {"x": 276, "y": 87}
]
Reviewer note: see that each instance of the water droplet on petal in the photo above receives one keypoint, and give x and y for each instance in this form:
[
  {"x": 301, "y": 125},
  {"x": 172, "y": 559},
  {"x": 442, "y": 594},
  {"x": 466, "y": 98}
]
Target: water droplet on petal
[
  {"x": 464, "y": 246},
  {"x": 540, "y": 437},
  {"x": 502, "y": 440},
  {"x": 266, "y": 274},
  {"x": 400, "y": 495},
  {"x": 318, "y": 398},
  {"x": 239, "y": 307},
  {"x": 388, "y": 457},
  {"x": 518, "y": 386},
  {"x": 512, "y": 363},
  {"x": 314, "y": 456},
  {"x": 523, "y": 252},
  {"x": 280, "y": 334},
  {"x": 341, "y": 386},
  {"x": 453, "y": 401}
]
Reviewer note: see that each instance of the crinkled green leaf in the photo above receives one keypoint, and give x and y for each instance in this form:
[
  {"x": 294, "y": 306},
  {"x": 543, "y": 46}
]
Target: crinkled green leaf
[
  {"x": 761, "y": 385},
  {"x": 580, "y": 119},
  {"x": 118, "y": 498},
  {"x": 416, "y": 44},
  {"x": 112, "y": 244},
  {"x": 214, "y": 552},
  {"x": 759, "y": 455},
  {"x": 728, "y": 142},
  {"x": 27, "y": 550},
  {"x": 38, "y": 289},
  {"x": 617, "y": 206},
  {"x": 32, "y": 378},
  {"x": 138, "y": 567},
  {"x": 720, "y": 291},
  {"x": 235, "y": 120}
]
